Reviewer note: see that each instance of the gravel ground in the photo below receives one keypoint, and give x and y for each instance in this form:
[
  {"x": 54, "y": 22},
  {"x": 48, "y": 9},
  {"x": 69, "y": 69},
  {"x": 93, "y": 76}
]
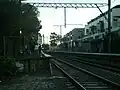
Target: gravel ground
[{"x": 36, "y": 81}]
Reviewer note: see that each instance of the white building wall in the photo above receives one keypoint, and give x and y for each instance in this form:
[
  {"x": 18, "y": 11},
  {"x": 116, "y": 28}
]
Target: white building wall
[
  {"x": 86, "y": 30},
  {"x": 115, "y": 12},
  {"x": 77, "y": 33},
  {"x": 116, "y": 20},
  {"x": 114, "y": 24}
]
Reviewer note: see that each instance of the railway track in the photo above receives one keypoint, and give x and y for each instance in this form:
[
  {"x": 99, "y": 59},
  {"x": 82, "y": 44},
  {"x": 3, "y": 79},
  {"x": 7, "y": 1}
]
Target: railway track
[
  {"x": 83, "y": 79},
  {"x": 112, "y": 69},
  {"x": 109, "y": 67},
  {"x": 104, "y": 69},
  {"x": 107, "y": 74},
  {"x": 109, "y": 61}
]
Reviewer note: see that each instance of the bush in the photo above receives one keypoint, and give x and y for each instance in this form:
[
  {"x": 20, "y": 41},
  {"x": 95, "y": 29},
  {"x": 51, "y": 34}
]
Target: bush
[{"x": 7, "y": 67}]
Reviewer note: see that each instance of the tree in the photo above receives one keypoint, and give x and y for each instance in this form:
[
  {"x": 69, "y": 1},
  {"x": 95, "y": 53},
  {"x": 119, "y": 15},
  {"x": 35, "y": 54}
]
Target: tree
[
  {"x": 45, "y": 46},
  {"x": 30, "y": 25},
  {"x": 54, "y": 39},
  {"x": 29, "y": 20},
  {"x": 14, "y": 18}
]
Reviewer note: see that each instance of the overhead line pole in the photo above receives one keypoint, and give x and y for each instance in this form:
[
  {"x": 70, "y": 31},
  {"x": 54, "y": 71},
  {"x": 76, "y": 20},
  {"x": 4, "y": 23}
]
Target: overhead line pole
[
  {"x": 20, "y": 40},
  {"x": 109, "y": 26},
  {"x": 61, "y": 30},
  {"x": 65, "y": 17}
]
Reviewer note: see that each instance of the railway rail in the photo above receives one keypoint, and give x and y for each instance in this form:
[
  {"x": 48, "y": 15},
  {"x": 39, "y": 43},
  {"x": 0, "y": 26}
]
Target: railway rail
[
  {"x": 107, "y": 62},
  {"x": 83, "y": 79},
  {"x": 108, "y": 67},
  {"x": 105, "y": 73}
]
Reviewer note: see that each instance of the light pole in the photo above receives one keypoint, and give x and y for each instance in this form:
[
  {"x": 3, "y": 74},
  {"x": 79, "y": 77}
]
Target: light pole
[{"x": 43, "y": 39}]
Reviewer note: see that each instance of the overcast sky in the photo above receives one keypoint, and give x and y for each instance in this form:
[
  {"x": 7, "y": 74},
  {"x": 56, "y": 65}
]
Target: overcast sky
[{"x": 51, "y": 16}]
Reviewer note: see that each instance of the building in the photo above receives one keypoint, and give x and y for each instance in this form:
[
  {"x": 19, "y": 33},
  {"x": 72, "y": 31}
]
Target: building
[
  {"x": 97, "y": 29},
  {"x": 70, "y": 39},
  {"x": 95, "y": 37},
  {"x": 100, "y": 24}
]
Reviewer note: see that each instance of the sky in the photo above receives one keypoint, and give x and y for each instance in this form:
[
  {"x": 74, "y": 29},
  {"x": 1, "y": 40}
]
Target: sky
[{"x": 52, "y": 16}]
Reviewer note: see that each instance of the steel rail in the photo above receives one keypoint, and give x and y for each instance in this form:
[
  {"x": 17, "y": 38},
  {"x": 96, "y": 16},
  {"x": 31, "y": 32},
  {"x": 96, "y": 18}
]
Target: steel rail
[
  {"x": 85, "y": 53},
  {"x": 88, "y": 72},
  {"x": 98, "y": 65},
  {"x": 111, "y": 68},
  {"x": 76, "y": 83},
  {"x": 110, "y": 59}
]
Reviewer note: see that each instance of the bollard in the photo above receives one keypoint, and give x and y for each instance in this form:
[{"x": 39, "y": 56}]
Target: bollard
[
  {"x": 24, "y": 66},
  {"x": 29, "y": 65}
]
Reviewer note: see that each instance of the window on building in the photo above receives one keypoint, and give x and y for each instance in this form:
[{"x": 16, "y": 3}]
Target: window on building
[
  {"x": 102, "y": 26},
  {"x": 116, "y": 21},
  {"x": 87, "y": 30},
  {"x": 93, "y": 29},
  {"x": 79, "y": 37}
]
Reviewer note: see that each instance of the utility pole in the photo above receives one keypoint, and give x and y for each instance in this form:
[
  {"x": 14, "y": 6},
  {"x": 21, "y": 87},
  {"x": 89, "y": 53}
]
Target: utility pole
[
  {"x": 61, "y": 30},
  {"x": 43, "y": 39},
  {"x": 109, "y": 26},
  {"x": 4, "y": 46},
  {"x": 65, "y": 17},
  {"x": 19, "y": 41}
]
